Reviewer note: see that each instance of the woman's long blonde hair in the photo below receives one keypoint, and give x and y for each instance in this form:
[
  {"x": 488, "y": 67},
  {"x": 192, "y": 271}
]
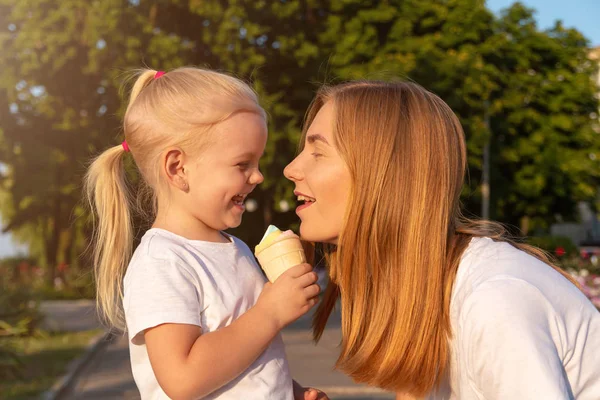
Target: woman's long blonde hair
[
  {"x": 403, "y": 236},
  {"x": 178, "y": 108}
]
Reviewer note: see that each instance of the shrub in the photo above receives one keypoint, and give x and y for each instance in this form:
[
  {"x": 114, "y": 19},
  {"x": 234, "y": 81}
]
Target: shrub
[{"x": 560, "y": 247}]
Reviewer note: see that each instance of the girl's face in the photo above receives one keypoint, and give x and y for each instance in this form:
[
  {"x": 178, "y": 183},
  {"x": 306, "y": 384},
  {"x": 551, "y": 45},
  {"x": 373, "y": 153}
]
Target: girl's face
[
  {"x": 227, "y": 171},
  {"x": 322, "y": 181}
]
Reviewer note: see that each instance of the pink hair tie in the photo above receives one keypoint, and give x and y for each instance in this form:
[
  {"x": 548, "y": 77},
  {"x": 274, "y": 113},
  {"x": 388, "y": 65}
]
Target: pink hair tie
[
  {"x": 125, "y": 146},
  {"x": 159, "y": 74}
]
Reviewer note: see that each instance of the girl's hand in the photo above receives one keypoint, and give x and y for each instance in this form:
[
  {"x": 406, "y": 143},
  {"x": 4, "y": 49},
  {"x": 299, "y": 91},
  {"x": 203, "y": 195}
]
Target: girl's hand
[
  {"x": 292, "y": 295},
  {"x": 311, "y": 394},
  {"x": 308, "y": 393}
]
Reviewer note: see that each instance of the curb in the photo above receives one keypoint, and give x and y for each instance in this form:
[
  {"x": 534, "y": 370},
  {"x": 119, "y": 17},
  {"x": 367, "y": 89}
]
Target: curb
[
  {"x": 356, "y": 392},
  {"x": 76, "y": 366}
]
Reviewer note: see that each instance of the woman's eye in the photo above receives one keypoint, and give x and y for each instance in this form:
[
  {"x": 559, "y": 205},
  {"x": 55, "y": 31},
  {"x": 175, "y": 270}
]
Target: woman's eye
[{"x": 316, "y": 155}]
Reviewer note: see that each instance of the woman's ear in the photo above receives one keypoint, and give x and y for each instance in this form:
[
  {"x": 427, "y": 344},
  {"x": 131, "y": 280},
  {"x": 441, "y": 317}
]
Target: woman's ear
[{"x": 174, "y": 168}]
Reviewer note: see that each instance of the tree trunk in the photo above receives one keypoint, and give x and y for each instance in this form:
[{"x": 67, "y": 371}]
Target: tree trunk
[
  {"x": 267, "y": 206},
  {"x": 524, "y": 225},
  {"x": 56, "y": 229}
]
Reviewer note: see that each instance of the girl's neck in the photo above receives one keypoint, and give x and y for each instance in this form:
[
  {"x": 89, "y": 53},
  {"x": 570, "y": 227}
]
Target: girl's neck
[{"x": 187, "y": 227}]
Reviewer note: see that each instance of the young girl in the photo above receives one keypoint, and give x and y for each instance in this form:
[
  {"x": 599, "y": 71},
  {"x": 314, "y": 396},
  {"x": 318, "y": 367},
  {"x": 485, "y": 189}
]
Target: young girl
[
  {"x": 201, "y": 321},
  {"x": 433, "y": 304}
]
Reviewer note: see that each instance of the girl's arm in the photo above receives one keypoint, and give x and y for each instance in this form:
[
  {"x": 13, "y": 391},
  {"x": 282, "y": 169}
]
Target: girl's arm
[{"x": 189, "y": 364}]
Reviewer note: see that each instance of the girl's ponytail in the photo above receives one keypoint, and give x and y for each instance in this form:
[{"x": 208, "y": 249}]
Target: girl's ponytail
[{"x": 109, "y": 196}]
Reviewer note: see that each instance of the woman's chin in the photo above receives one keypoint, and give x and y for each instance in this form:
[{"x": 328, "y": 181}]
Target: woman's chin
[{"x": 316, "y": 235}]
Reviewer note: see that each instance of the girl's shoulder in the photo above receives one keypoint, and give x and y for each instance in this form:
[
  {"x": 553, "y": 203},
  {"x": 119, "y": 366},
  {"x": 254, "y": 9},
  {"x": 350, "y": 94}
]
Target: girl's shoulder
[
  {"x": 159, "y": 245},
  {"x": 240, "y": 244},
  {"x": 157, "y": 253}
]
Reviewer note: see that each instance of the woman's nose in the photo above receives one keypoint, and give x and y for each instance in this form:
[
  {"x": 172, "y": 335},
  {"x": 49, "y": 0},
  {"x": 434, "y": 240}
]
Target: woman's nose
[{"x": 292, "y": 172}]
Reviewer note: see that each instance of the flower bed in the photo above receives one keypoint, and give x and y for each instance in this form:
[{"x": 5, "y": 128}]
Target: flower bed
[{"x": 590, "y": 283}]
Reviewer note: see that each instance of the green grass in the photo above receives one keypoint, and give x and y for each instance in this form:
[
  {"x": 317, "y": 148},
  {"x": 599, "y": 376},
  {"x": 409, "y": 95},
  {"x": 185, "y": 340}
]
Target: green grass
[{"x": 45, "y": 358}]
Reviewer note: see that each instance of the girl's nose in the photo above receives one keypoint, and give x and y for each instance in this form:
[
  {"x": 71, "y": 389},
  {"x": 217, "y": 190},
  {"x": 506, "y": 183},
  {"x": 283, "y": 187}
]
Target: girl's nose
[{"x": 256, "y": 178}]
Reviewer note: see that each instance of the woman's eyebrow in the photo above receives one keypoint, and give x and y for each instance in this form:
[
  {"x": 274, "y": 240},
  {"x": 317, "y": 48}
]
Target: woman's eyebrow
[{"x": 316, "y": 137}]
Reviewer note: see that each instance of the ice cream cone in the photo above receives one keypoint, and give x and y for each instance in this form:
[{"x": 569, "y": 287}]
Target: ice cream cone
[{"x": 284, "y": 253}]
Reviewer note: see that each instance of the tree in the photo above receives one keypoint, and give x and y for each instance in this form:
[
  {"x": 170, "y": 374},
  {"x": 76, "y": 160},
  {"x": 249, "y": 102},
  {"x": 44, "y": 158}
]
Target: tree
[
  {"x": 63, "y": 64},
  {"x": 537, "y": 84},
  {"x": 543, "y": 140},
  {"x": 59, "y": 102},
  {"x": 60, "y": 91}
]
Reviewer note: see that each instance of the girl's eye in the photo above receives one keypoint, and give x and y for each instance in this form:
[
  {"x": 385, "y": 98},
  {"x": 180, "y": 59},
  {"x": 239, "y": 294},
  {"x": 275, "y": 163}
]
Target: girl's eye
[
  {"x": 317, "y": 155},
  {"x": 244, "y": 165}
]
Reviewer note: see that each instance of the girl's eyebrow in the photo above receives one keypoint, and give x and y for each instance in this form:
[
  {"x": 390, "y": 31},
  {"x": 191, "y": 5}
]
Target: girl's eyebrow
[
  {"x": 316, "y": 137},
  {"x": 248, "y": 154}
]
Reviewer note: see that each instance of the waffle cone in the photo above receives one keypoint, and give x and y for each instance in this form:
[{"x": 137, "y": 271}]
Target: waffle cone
[{"x": 281, "y": 256}]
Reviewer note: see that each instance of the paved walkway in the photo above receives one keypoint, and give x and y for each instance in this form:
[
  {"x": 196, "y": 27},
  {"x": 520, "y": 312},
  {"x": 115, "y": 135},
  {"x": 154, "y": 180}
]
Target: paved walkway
[
  {"x": 313, "y": 365},
  {"x": 108, "y": 375},
  {"x": 69, "y": 315}
]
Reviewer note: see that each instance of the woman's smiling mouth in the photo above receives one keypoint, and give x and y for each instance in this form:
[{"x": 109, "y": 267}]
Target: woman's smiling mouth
[{"x": 306, "y": 200}]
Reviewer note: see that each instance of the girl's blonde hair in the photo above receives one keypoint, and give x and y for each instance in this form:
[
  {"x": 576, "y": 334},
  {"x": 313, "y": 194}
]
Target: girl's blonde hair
[
  {"x": 403, "y": 236},
  {"x": 178, "y": 108}
]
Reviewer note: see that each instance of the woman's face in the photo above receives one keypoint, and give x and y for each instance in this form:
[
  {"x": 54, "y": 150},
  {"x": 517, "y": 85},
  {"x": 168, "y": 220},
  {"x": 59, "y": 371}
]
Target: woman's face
[{"x": 322, "y": 181}]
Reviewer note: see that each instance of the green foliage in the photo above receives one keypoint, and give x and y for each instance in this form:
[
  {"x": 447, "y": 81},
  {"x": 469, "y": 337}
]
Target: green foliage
[
  {"x": 19, "y": 316},
  {"x": 560, "y": 247},
  {"x": 19, "y": 313},
  {"x": 535, "y": 85},
  {"x": 63, "y": 65},
  {"x": 585, "y": 266},
  {"x": 76, "y": 285},
  {"x": 44, "y": 358}
]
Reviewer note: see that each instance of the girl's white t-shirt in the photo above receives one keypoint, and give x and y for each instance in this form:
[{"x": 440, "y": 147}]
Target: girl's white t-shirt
[
  {"x": 171, "y": 279},
  {"x": 520, "y": 330}
]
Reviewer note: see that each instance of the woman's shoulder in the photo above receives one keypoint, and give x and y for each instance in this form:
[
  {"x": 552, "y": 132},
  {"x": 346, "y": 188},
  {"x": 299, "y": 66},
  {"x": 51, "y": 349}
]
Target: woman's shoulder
[
  {"x": 496, "y": 275},
  {"x": 486, "y": 260}
]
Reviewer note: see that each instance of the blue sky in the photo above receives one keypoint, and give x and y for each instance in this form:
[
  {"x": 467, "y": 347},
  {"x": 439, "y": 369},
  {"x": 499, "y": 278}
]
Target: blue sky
[
  {"x": 8, "y": 247},
  {"x": 584, "y": 15}
]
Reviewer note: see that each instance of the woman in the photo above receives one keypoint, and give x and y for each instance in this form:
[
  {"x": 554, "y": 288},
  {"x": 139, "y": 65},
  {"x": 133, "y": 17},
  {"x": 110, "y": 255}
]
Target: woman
[{"x": 433, "y": 304}]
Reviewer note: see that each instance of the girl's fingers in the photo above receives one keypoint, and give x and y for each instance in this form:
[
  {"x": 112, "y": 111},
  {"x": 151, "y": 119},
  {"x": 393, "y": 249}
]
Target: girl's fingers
[
  {"x": 307, "y": 279},
  {"x": 298, "y": 270},
  {"x": 312, "y": 291}
]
